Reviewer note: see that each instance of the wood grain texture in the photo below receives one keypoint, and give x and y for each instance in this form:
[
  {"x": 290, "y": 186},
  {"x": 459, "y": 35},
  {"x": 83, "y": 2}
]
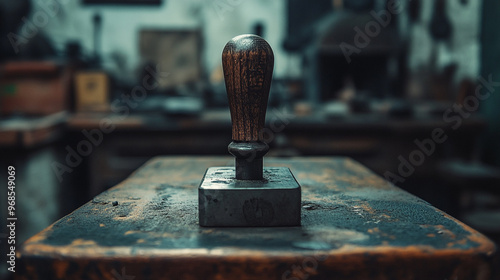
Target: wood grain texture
[
  {"x": 247, "y": 61},
  {"x": 355, "y": 225}
]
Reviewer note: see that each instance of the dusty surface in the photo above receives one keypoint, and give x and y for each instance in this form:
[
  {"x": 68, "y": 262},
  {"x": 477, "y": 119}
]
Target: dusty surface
[{"x": 355, "y": 225}]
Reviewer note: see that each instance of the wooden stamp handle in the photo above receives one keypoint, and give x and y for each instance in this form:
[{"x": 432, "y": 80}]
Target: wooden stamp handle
[{"x": 247, "y": 61}]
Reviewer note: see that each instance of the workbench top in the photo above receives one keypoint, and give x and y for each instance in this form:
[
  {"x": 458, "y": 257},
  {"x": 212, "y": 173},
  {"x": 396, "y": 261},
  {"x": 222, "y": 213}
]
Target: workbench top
[{"x": 355, "y": 225}]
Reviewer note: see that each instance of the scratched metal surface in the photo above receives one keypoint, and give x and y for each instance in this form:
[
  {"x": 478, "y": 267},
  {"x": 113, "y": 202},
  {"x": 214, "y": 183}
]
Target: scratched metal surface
[{"x": 355, "y": 225}]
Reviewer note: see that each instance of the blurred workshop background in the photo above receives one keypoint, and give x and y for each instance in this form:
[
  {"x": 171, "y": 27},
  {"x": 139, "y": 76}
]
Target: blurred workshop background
[{"x": 92, "y": 89}]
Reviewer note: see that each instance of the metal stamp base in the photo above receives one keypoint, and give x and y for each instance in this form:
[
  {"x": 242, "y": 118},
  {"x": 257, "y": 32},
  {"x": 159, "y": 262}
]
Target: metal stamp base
[{"x": 227, "y": 202}]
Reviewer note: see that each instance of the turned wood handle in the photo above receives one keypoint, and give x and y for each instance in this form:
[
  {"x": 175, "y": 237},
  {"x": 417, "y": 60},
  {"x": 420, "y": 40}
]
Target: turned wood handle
[{"x": 247, "y": 61}]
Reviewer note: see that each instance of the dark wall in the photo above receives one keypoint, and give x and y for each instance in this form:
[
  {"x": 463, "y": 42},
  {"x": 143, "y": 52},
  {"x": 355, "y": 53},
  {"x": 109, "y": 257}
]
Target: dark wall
[{"x": 490, "y": 65}]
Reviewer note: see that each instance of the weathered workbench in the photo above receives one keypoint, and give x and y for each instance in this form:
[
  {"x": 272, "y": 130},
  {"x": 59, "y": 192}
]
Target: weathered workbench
[{"x": 355, "y": 225}]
